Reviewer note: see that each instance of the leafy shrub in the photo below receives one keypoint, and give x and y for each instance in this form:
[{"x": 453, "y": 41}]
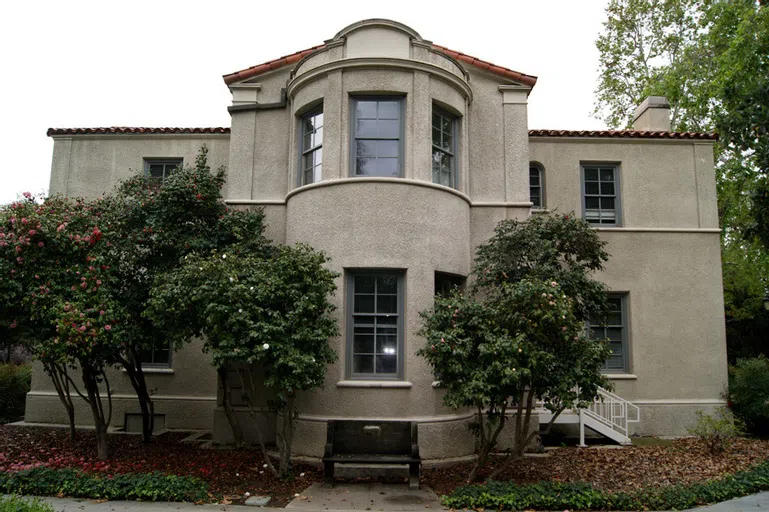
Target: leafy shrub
[
  {"x": 18, "y": 504},
  {"x": 749, "y": 393},
  {"x": 70, "y": 482},
  {"x": 14, "y": 385},
  {"x": 718, "y": 429},
  {"x": 583, "y": 496}
]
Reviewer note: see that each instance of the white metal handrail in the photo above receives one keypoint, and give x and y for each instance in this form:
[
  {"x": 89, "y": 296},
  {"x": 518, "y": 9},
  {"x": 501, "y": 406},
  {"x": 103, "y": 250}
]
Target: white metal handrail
[{"x": 613, "y": 411}]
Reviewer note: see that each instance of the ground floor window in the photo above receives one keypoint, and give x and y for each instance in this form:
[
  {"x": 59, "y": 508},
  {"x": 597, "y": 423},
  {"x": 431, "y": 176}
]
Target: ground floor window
[
  {"x": 446, "y": 283},
  {"x": 375, "y": 324},
  {"x": 158, "y": 356},
  {"x": 615, "y": 330}
]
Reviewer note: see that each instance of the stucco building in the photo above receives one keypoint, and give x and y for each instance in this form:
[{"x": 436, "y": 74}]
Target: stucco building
[{"x": 397, "y": 157}]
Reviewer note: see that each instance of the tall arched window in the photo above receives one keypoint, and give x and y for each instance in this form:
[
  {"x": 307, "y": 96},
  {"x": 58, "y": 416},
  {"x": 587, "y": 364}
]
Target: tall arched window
[{"x": 537, "y": 185}]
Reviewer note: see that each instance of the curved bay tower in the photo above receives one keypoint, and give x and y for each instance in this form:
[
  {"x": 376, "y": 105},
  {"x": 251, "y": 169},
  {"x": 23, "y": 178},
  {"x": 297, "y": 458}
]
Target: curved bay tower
[{"x": 397, "y": 157}]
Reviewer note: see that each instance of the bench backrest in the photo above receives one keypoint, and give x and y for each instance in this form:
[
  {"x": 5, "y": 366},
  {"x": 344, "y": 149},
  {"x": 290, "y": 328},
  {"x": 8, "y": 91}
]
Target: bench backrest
[{"x": 371, "y": 437}]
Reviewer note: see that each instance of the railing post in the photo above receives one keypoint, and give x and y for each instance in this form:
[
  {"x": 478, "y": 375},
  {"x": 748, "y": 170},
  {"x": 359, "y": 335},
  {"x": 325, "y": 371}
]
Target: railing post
[{"x": 582, "y": 429}]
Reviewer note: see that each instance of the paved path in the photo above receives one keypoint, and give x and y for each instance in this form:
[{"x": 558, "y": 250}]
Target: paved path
[{"x": 355, "y": 499}]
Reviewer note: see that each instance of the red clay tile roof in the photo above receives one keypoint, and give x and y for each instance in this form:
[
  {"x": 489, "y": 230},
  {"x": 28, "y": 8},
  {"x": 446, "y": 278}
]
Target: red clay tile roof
[
  {"x": 118, "y": 130},
  {"x": 253, "y": 71},
  {"x": 632, "y": 134}
]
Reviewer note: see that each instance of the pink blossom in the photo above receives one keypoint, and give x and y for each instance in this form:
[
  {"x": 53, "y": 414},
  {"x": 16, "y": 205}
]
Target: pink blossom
[
  {"x": 108, "y": 327},
  {"x": 24, "y": 220},
  {"x": 40, "y": 244},
  {"x": 61, "y": 228},
  {"x": 32, "y": 232},
  {"x": 13, "y": 324},
  {"x": 98, "y": 282},
  {"x": 28, "y": 195},
  {"x": 563, "y": 328},
  {"x": 553, "y": 283},
  {"x": 101, "y": 312}
]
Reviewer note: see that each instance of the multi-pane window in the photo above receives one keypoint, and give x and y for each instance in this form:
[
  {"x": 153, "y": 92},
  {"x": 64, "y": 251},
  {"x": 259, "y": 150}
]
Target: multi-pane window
[
  {"x": 312, "y": 146},
  {"x": 601, "y": 194},
  {"x": 158, "y": 356},
  {"x": 158, "y": 169},
  {"x": 444, "y": 144},
  {"x": 375, "y": 324},
  {"x": 536, "y": 187},
  {"x": 615, "y": 331},
  {"x": 445, "y": 283},
  {"x": 377, "y": 137}
]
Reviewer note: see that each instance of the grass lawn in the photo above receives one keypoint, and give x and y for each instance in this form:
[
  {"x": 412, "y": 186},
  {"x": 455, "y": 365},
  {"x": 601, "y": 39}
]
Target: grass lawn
[{"x": 231, "y": 473}]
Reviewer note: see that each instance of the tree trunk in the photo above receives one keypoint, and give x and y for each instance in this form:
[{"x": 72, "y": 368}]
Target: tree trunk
[
  {"x": 287, "y": 437},
  {"x": 232, "y": 419},
  {"x": 100, "y": 419},
  {"x": 135, "y": 373},
  {"x": 60, "y": 381}
]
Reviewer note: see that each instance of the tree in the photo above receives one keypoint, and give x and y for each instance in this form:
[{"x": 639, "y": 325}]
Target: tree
[
  {"x": 716, "y": 77},
  {"x": 65, "y": 300},
  {"x": 520, "y": 336},
  {"x": 151, "y": 227},
  {"x": 270, "y": 311}
]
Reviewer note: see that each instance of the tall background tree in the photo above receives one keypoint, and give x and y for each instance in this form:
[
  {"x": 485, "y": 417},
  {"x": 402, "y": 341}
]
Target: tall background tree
[{"x": 711, "y": 60}]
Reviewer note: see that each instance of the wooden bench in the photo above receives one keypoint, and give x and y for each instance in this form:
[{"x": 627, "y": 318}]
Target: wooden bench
[{"x": 371, "y": 442}]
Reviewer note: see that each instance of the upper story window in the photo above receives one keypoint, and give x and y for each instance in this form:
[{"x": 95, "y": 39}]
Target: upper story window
[
  {"x": 159, "y": 356},
  {"x": 537, "y": 186},
  {"x": 377, "y": 136},
  {"x": 444, "y": 148},
  {"x": 615, "y": 330},
  {"x": 312, "y": 146},
  {"x": 600, "y": 194},
  {"x": 159, "y": 169}
]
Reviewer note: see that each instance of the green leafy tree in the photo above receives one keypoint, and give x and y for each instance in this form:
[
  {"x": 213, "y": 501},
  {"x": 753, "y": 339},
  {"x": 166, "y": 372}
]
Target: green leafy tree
[
  {"x": 521, "y": 336},
  {"x": 64, "y": 298},
  {"x": 152, "y": 226},
  {"x": 271, "y": 312},
  {"x": 708, "y": 59}
]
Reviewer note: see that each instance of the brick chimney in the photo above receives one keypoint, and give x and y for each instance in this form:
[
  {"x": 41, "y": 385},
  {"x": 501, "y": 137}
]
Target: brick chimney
[{"x": 652, "y": 115}]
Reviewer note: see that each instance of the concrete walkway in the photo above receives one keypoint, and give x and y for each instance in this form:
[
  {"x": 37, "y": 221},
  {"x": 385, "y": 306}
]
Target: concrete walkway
[{"x": 343, "y": 498}]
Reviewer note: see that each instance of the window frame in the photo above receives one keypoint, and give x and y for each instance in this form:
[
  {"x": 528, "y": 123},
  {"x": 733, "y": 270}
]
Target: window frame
[
  {"x": 349, "y": 335},
  {"x": 354, "y": 99},
  {"x": 317, "y": 109},
  {"x": 454, "y": 167},
  {"x": 159, "y": 365},
  {"x": 623, "y": 297},
  {"x": 617, "y": 195},
  {"x": 541, "y": 170},
  {"x": 149, "y": 161},
  {"x": 454, "y": 280}
]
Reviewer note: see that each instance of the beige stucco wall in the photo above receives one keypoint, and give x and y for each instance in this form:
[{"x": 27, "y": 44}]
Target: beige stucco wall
[
  {"x": 92, "y": 165},
  {"x": 666, "y": 257}
]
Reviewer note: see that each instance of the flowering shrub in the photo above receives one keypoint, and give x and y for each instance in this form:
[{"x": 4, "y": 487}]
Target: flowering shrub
[{"x": 522, "y": 338}]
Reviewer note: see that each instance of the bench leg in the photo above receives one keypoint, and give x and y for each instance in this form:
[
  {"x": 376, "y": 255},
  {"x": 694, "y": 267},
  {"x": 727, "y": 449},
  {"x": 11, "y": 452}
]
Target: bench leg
[
  {"x": 414, "y": 476},
  {"x": 328, "y": 474}
]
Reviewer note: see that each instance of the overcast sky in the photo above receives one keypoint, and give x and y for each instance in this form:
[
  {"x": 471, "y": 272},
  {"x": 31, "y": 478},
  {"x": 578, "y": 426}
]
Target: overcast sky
[{"x": 160, "y": 63}]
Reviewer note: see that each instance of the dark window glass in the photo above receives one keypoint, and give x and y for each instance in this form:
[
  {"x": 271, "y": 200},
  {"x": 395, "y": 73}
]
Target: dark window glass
[
  {"x": 158, "y": 356},
  {"x": 600, "y": 195},
  {"x": 444, "y": 144},
  {"x": 375, "y": 324},
  {"x": 446, "y": 283},
  {"x": 535, "y": 186},
  {"x": 615, "y": 331},
  {"x": 376, "y": 149},
  {"x": 312, "y": 147},
  {"x": 158, "y": 169}
]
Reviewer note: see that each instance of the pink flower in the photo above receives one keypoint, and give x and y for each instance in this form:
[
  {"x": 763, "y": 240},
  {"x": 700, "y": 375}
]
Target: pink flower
[
  {"x": 24, "y": 220},
  {"x": 28, "y": 195},
  {"x": 553, "y": 283},
  {"x": 101, "y": 312},
  {"x": 61, "y": 228},
  {"x": 40, "y": 244},
  {"x": 13, "y": 324},
  {"x": 108, "y": 327},
  {"x": 563, "y": 328},
  {"x": 98, "y": 282},
  {"x": 32, "y": 232},
  {"x": 83, "y": 285}
]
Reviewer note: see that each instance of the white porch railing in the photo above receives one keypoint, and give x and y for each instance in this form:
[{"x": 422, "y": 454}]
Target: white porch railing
[{"x": 613, "y": 411}]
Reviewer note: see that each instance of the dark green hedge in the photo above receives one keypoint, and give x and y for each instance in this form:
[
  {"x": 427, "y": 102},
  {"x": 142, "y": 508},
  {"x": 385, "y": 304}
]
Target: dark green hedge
[
  {"x": 583, "y": 496},
  {"x": 128, "y": 486},
  {"x": 14, "y": 385}
]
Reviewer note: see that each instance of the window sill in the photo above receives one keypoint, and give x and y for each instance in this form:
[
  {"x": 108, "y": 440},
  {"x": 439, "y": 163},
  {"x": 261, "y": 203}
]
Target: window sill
[
  {"x": 396, "y": 384},
  {"x": 539, "y": 210},
  {"x": 161, "y": 371},
  {"x": 620, "y": 376}
]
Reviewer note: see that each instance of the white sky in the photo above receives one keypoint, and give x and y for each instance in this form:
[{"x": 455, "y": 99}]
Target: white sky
[{"x": 77, "y": 63}]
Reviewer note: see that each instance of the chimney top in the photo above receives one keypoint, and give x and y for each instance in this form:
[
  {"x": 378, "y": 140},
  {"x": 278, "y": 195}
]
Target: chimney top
[{"x": 652, "y": 115}]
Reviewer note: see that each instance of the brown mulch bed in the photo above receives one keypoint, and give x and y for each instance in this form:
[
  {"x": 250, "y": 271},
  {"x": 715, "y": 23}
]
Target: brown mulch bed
[
  {"x": 618, "y": 469},
  {"x": 232, "y": 473},
  {"x": 229, "y": 473}
]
